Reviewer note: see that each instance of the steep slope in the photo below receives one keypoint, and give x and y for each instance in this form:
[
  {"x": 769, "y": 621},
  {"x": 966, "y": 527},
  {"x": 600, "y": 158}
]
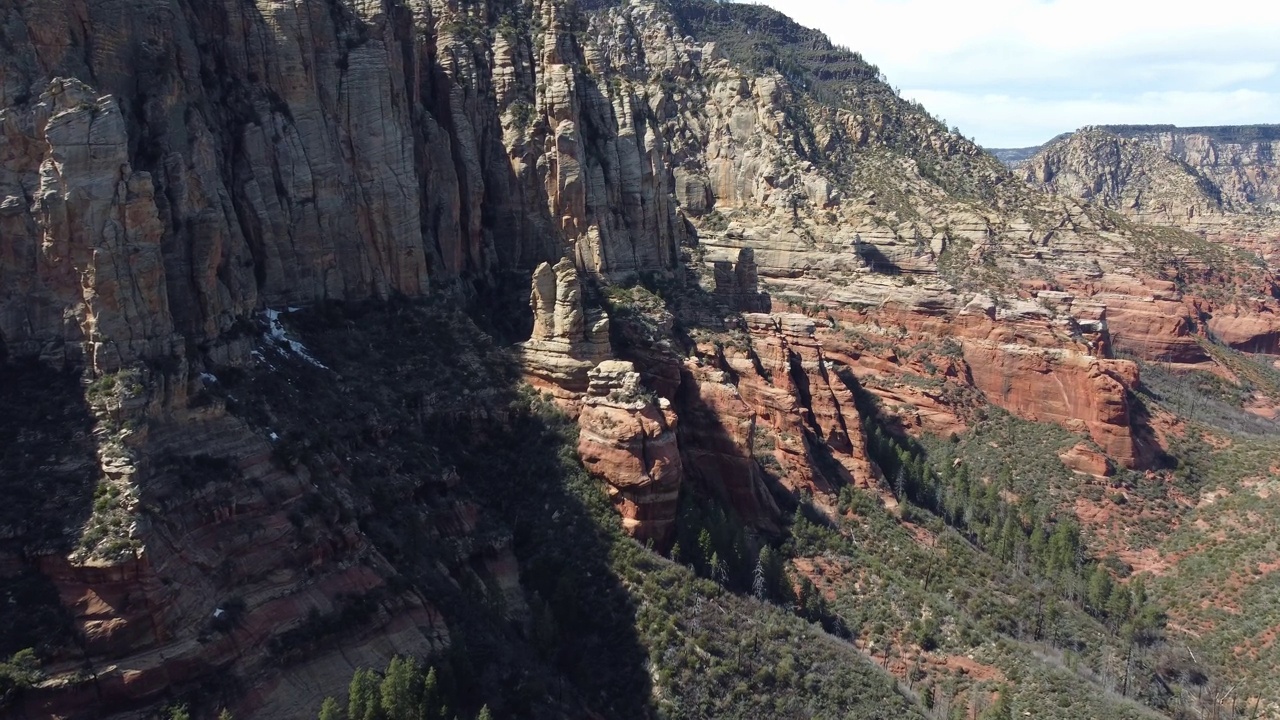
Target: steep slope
[
  {"x": 261, "y": 442},
  {"x": 1219, "y": 181},
  {"x": 234, "y": 155}
]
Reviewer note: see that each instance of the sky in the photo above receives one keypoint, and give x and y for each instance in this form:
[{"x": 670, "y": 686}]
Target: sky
[{"x": 1015, "y": 73}]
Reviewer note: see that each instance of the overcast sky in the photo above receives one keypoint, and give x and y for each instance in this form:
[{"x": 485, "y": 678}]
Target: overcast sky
[{"x": 1014, "y": 73}]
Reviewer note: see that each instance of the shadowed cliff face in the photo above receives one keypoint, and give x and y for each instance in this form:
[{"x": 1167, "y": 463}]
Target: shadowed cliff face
[
  {"x": 170, "y": 166},
  {"x": 241, "y": 501}
]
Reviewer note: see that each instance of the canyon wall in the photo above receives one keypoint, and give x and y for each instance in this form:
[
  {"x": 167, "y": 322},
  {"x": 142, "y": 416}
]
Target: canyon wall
[
  {"x": 170, "y": 167},
  {"x": 1221, "y": 182},
  {"x": 782, "y": 256}
]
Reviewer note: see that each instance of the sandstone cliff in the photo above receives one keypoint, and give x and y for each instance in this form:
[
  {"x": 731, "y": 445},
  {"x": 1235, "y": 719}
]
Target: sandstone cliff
[
  {"x": 1223, "y": 182},
  {"x": 782, "y": 249},
  {"x": 169, "y": 168}
]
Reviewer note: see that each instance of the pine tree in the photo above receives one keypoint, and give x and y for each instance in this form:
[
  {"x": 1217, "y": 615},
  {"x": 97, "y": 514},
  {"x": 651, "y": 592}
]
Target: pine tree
[
  {"x": 715, "y": 568},
  {"x": 758, "y": 588},
  {"x": 1038, "y": 544},
  {"x": 432, "y": 698},
  {"x": 363, "y": 702},
  {"x": 811, "y": 603},
  {"x": 225, "y": 715},
  {"x": 1064, "y": 547},
  {"x": 329, "y": 710},
  {"x": 1118, "y": 605},
  {"x": 1139, "y": 589},
  {"x": 1010, "y": 536},
  {"x": 484, "y": 714},
  {"x": 1099, "y": 590},
  {"x": 400, "y": 689},
  {"x": 1002, "y": 709},
  {"x": 705, "y": 548}
]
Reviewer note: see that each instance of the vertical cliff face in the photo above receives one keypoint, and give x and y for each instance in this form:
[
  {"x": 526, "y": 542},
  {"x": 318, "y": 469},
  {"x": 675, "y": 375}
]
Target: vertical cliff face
[
  {"x": 172, "y": 166},
  {"x": 739, "y": 239},
  {"x": 1190, "y": 177},
  {"x": 167, "y": 171}
]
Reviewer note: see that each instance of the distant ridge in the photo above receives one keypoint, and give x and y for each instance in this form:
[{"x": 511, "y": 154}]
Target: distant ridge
[
  {"x": 1235, "y": 134},
  {"x": 1221, "y": 133}
]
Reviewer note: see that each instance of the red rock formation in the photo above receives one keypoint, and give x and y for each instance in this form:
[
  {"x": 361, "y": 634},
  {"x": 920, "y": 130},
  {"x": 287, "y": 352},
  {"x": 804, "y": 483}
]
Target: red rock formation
[
  {"x": 798, "y": 394},
  {"x": 630, "y": 441},
  {"x": 229, "y": 569},
  {"x": 717, "y": 434},
  {"x": 1022, "y": 358},
  {"x": 1084, "y": 459}
]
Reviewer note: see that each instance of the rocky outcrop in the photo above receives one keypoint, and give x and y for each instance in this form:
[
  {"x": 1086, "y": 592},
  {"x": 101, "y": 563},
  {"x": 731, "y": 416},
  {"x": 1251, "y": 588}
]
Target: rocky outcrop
[
  {"x": 737, "y": 283},
  {"x": 203, "y": 554},
  {"x": 718, "y": 432},
  {"x": 1083, "y": 459},
  {"x": 81, "y": 269},
  {"x": 568, "y": 340},
  {"x": 197, "y": 160},
  {"x": 1206, "y": 179},
  {"x": 1125, "y": 174},
  {"x": 629, "y": 440},
  {"x": 168, "y": 171}
]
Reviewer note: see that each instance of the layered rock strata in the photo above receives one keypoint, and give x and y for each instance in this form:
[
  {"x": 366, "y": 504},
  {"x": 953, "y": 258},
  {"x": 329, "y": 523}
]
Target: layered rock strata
[
  {"x": 200, "y": 556},
  {"x": 629, "y": 440},
  {"x": 568, "y": 339},
  {"x": 168, "y": 169}
]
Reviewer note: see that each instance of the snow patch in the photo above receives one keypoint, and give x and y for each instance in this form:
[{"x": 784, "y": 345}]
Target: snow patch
[
  {"x": 208, "y": 377},
  {"x": 275, "y": 334}
]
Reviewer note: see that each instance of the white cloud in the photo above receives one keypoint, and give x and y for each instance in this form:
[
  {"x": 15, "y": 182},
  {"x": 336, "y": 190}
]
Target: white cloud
[{"x": 1017, "y": 72}]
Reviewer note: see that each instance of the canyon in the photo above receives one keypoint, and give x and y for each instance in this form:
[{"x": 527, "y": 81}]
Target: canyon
[{"x": 278, "y": 279}]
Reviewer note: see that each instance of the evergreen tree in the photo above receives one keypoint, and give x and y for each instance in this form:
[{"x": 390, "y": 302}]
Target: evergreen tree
[
  {"x": 705, "y": 549},
  {"x": 810, "y": 602},
  {"x": 433, "y": 706},
  {"x": 1002, "y": 709},
  {"x": 1037, "y": 545},
  {"x": 1099, "y": 590},
  {"x": 363, "y": 702},
  {"x": 484, "y": 714},
  {"x": 758, "y": 588},
  {"x": 1010, "y": 537},
  {"x": 1118, "y": 605},
  {"x": 1064, "y": 547},
  {"x": 400, "y": 689},
  {"x": 1139, "y": 590},
  {"x": 329, "y": 710}
]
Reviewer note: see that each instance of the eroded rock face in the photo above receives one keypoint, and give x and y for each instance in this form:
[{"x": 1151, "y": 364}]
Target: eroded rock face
[
  {"x": 1172, "y": 174},
  {"x": 738, "y": 284},
  {"x": 1222, "y": 183},
  {"x": 568, "y": 340},
  {"x": 717, "y": 436},
  {"x": 629, "y": 440},
  {"x": 167, "y": 171},
  {"x": 221, "y": 560},
  {"x": 82, "y": 276},
  {"x": 802, "y": 394},
  {"x": 205, "y": 158}
]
